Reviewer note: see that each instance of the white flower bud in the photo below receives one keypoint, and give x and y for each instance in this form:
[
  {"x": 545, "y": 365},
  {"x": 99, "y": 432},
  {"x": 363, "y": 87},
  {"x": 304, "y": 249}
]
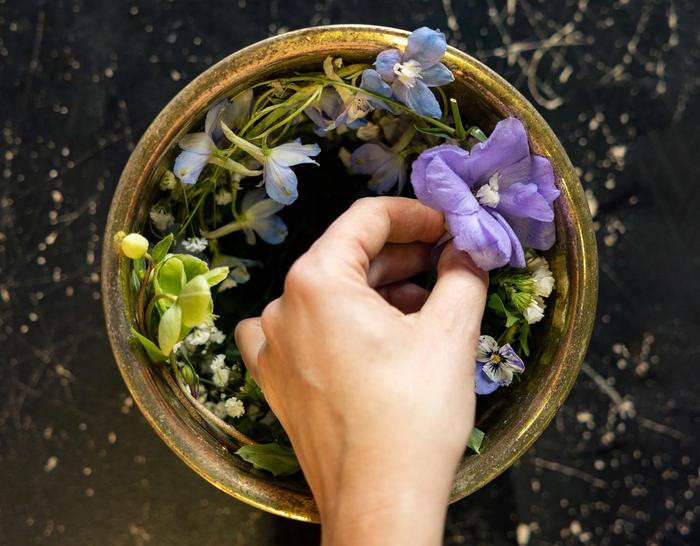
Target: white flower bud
[{"x": 534, "y": 312}]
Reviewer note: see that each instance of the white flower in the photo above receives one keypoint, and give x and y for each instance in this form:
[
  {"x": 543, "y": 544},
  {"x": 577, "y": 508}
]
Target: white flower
[
  {"x": 195, "y": 244},
  {"x": 220, "y": 410},
  {"x": 218, "y": 362},
  {"x": 541, "y": 275},
  {"x": 161, "y": 217},
  {"x": 216, "y": 335},
  {"x": 168, "y": 181},
  {"x": 198, "y": 336},
  {"x": 222, "y": 197},
  {"x": 534, "y": 312},
  {"x": 234, "y": 407},
  {"x": 221, "y": 376}
]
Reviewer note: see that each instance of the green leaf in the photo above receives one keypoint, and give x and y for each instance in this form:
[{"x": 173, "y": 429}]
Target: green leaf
[
  {"x": 171, "y": 277},
  {"x": 216, "y": 275},
  {"x": 477, "y": 133},
  {"x": 161, "y": 249},
  {"x": 433, "y": 131},
  {"x": 496, "y": 303},
  {"x": 195, "y": 301},
  {"x": 193, "y": 266},
  {"x": 276, "y": 459},
  {"x": 169, "y": 329},
  {"x": 154, "y": 353},
  {"x": 476, "y": 438}
]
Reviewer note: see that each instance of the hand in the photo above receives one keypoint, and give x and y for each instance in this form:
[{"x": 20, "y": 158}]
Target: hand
[{"x": 371, "y": 376}]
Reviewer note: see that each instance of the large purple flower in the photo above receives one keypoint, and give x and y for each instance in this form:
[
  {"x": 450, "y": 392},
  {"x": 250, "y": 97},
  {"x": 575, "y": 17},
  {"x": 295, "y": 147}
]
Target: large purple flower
[
  {"x": 496, "y": 199},
  {"x": 412, "y": 72}
]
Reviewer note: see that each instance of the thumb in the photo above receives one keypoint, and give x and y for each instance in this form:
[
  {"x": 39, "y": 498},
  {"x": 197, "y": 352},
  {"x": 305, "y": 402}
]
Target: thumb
[{"x": 456, "y": 303}]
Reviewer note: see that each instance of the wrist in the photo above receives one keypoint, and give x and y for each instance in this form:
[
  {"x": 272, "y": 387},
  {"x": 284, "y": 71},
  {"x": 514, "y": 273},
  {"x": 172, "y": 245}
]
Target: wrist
[{"x": 385, "y": 505}]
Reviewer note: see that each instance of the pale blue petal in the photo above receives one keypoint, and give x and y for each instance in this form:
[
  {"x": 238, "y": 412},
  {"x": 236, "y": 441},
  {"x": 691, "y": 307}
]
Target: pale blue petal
[
  {"x": 280, "y": 182},
  {"x": 369, "y": 158},
  {"x": 421, "y": 100},
  {"x": 211, "y": 123},
  {"x": 293, "y": 153},
  {"x": 511, "y": 359},
  {"x": 437, "y": 75},
  {"x": 386, "y": 176},
  {"x": 271, "y": 229},
  {"x": 373, "y": 82},
  {"x": 197, "y": 142},
  {"x": 385, "y": 64},
  {"x": 189, "y": 165},
  {"x": 425, "y": 45}
]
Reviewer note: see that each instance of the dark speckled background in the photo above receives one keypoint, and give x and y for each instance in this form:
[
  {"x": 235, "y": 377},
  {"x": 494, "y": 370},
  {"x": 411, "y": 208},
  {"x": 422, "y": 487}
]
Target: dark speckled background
[{"x": 80, "y": 81}]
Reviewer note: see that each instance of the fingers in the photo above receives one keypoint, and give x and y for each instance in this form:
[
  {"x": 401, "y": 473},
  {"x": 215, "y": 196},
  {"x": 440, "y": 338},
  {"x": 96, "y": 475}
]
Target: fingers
[
  {"x": 405, "y": 296},
  {"x": 360, "y": 233},
  {"x": 396, "y": 262},
  {"x": 456, "y": 303},
  {"x": 250, "y": 340}
]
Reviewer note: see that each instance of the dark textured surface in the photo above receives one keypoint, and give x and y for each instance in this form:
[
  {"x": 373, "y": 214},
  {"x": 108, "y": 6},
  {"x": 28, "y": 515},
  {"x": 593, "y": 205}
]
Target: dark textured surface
[{"x": 80, "y": 81}]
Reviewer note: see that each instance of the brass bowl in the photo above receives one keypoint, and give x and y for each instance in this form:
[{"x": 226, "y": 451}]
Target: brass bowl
[{"x": 513, "y": 418}]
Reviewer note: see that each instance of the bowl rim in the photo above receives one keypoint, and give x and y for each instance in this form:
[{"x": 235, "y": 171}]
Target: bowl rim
[{"x": 185, "y": 433}]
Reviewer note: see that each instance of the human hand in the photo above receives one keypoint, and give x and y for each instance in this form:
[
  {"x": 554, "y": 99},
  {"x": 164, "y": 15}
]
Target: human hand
[{"x": 371, "y": 376}]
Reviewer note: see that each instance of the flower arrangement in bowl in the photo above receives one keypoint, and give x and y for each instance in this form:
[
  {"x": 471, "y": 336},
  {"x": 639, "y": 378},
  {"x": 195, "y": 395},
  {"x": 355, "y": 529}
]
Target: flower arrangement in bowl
[{"x": 250, "y": 163}]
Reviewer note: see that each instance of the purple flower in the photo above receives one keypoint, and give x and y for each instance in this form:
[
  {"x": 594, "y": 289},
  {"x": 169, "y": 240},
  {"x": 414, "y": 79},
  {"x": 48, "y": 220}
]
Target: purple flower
[
  {"x": 386, "y": 166},
  {"x": 495, "y": 365},
  {"x": 330, "y": 112},
  {"x": 495, "y": 200},
  {"x": 412, "y": 72}
]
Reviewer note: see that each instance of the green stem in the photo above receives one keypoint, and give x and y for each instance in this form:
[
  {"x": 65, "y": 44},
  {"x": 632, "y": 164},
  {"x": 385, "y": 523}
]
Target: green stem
[{"x": 140, "y": 302}]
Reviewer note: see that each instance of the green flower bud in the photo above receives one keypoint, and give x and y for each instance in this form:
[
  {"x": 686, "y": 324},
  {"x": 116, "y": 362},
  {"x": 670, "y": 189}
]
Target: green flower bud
[
  {"x": 188, "y": 375},
  {"x": 520, "y": 299},
  {"x": 134, "y": 246}
]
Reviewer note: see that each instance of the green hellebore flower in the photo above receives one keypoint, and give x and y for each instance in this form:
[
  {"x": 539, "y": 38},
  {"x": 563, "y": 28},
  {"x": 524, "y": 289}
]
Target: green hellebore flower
[{"x": 134, "y": 246}]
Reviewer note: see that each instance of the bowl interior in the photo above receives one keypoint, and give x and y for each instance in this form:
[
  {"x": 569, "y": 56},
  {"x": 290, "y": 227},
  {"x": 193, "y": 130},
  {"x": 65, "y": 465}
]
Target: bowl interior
[{"x": 512, "y": 418}]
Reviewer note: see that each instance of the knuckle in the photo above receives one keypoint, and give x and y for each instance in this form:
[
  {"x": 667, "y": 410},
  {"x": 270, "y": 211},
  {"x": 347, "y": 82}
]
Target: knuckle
[
  {"x": 268, "y": 317},
  {"x": 301, "y": 278}
]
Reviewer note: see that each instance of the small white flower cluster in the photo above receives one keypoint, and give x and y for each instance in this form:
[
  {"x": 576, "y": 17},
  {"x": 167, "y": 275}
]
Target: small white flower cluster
[
  {"x": 223, "y": 197},
  {"x": 231, "y": 407},
  {"x": 195, "y": 244},
  {"x": 220, "y": 372},
  {"x": 543, "y": 284},
  {"x": 202, "y": 335}
]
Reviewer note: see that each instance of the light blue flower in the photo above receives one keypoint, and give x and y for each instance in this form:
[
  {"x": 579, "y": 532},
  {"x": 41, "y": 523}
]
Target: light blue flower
[
  {"x": 412, "y": 72},
  {"x": 384, "y": 165},
  {"x": 330, "y": 112},
  {"x": 232, "y": 112},
  {"x": 258, "y": 215},
  {"x": 199, "y": 149},
  {"x": 279, "y": 179}
]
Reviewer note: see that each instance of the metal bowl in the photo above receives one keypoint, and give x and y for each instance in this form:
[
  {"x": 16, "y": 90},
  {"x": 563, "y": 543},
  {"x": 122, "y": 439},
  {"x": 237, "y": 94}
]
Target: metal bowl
[{"x": 513, "y": 418}]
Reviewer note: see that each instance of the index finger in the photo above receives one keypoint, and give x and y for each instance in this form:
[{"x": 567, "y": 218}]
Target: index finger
[{"x": 360, "y": 233}]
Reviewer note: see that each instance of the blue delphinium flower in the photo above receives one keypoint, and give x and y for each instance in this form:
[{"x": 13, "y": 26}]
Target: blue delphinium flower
[
  {"x": 495, "y": 365},
  {"x": 330, "y": 112},
  {"x": 412, "y": 72},
  {"x": 199, "y": 149},
  {"x": 258, "y": 215},
  {"x": 279, "y": 179}
]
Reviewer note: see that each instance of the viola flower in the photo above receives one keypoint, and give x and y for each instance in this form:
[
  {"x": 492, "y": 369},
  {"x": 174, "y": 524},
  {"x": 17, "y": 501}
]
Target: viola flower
[
  {"x": 496, "y": 199},
  {"x": 279, "y": 179},
  {"x": 258, "y": 215},
  {"x": 495, "y": 365},
  {"x": 414, "y": 71}
]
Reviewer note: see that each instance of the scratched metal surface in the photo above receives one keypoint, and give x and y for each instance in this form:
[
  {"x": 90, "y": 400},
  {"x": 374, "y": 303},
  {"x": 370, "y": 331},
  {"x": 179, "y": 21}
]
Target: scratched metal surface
[{"x": 79, "y": 82}]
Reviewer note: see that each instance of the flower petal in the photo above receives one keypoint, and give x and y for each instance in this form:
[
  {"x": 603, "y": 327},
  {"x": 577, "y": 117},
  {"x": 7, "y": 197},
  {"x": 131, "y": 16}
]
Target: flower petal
[
  {"x": 542, "y": 174},
  {"x": 483, "y": 384},
  {"x": 189, "y": 165},
  {"x": 262, "y": 209},
  {"x": 485, "y": 348},
  {"x": 280, "y": 182},
  {"x": 369, "y": 158},
  {"x": 506, "y": 146},
  {"x": 418, "y": 98},
  {"x": 293, "y": 153},
  {"x": 499, "y": 373},
  {"x": 437, "y": 75},
  {"x": 211, "y": 122},
  {"x": 482, "y": 237},
  {"x": 524, "y": 200},
  {"x": 386, "y": 176},
  {"x": 511, "y": 359},
  {"x": 271, "y": 229},
  {"x": 447, "y": 189},
  {"x": 425, "y": 45},
  {"x": 197, "y": 142},
  {"x": 373, "y": 82},
  {"x": 517, "y": 254},
  {"x": 531, "y": 233},
  {"x": 385, "y": 64}
]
